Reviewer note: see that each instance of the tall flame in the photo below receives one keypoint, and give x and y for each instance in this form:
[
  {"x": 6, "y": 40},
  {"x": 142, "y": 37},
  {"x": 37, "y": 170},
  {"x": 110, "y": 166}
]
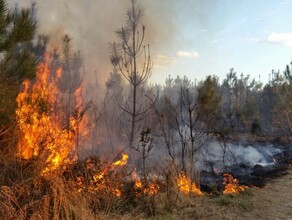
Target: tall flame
[
  {"x": 186, "y": 186},
  {"x": 39, "y": 119}
]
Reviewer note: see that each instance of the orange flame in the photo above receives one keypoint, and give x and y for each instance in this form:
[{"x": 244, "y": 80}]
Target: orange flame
[
  {"x": 41, "y": 133},
  {"x": 186, "y": 186},
  {"x": 146, "y": 189},
  {"x": 100, "y": 182},
  {"x": 78, "y": 95},
  {"x": 120, "y": 162},
  {"x": 231, "y": 185},
  {"x": 136, "y": 179}
]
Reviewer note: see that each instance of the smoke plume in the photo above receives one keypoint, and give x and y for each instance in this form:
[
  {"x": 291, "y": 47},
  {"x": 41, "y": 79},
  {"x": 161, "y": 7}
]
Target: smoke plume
[{"x": 92, "y": 25}]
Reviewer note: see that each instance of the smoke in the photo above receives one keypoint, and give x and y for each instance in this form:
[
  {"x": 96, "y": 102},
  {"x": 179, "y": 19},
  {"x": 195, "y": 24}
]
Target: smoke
[
  {"x": 238, "y": 154},
  {"x": 92, "y": 25}
]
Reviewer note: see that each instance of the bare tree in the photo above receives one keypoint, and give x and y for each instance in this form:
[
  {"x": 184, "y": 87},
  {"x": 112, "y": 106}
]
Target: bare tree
[
  {"x": 111, "y": 109},
  {"x": 133, "y": 60},
  {"x": 191, "y": 130},
  {"x": 181, "y": 126}
]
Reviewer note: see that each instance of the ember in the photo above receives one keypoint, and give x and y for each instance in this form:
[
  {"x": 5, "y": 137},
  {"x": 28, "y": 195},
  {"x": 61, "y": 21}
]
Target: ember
[
  {"x": 231, "y": 185},
  {"x": 186, "y": 186}
]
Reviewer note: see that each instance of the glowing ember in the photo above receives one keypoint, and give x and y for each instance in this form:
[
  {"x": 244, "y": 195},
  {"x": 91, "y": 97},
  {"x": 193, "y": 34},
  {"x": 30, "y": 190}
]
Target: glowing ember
[
  {"x": 186, "y": 186},
  {"x": 231, "y": 185},
  {"x": 118, "y": 193},
  {"x": 39, "y": 119}
]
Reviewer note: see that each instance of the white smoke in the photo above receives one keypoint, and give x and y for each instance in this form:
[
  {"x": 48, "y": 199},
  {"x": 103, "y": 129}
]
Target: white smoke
[{"x": 218, "y": 156}]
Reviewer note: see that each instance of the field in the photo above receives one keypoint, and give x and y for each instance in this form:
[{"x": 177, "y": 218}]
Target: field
[{"x": 272, "y": 202}]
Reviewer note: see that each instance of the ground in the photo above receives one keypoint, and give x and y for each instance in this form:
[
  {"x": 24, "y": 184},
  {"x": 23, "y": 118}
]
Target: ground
[{"x": 270, "y": 203}]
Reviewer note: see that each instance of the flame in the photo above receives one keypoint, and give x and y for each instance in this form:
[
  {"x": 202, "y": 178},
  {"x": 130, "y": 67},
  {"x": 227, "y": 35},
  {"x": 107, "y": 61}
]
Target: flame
[
  {"x": 138, "y": 183},
  {"x": 81, "y": 120},
  {"x": 121, "y": 162},
  {"x": 39, "y": 120},
  {"x": 100, "y": 180},
  {"x": 152, "y": 189},
  {"x": 186, "y": 186},
  {"x": 146, "y": 189},
  {"x": 78, "y": 95},
  {"x": 118, "y": 193},
  {"x": 231, "y": 185}
]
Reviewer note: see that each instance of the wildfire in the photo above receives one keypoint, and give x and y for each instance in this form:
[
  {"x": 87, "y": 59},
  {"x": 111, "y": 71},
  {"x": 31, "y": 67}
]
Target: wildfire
[
  {"x": 120, "y": 162},
  {"x": 231, "y": 185},
  {"x": 147, "y": 189},
  {"x": 101, "y": 181},
  {"x": 186, "y": 186},
  {"x": 40, "y": 118}
]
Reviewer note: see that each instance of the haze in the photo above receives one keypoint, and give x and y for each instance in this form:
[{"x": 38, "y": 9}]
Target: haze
[{"x": 192, "y": 38}]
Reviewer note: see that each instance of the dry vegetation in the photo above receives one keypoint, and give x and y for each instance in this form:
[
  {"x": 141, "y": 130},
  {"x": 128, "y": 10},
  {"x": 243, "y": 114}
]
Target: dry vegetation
[
  {"x": 271, "y": 202},
  {"x": 24, "y": 194},
  {"x": 43, "y": 177}
]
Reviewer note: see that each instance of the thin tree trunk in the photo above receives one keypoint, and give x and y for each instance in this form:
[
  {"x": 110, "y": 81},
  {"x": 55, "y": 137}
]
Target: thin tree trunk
[{"x": 133, "y": 124}]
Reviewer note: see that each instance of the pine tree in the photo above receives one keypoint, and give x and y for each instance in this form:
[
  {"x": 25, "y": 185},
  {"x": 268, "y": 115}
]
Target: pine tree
[
  {"x": 17, "y": 60},
  {"x": 126, "y": 57}
]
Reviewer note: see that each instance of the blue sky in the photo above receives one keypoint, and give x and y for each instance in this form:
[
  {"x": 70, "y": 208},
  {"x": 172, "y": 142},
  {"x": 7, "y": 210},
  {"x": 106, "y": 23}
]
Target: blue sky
[
  {"x": 252, "y": 36},
  {"x": 195, "y": 38}
]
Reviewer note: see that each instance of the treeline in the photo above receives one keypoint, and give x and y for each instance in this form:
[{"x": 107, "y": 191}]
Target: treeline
[
  {"x": 181, "y": 111},
  {"x": 236, "y": 105},
  {"x": 184, "y": 115}
]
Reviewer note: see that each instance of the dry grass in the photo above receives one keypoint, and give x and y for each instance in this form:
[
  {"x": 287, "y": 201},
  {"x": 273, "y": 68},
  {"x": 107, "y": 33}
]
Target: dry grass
[
  {"x": 27, "y": 195},
  {"x": 57, "y": 198},
  {"x": 24, "y": 194}
]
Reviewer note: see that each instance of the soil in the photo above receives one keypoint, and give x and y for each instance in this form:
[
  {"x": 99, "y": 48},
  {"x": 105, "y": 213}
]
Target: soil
[{"x": 274, "y": 201}]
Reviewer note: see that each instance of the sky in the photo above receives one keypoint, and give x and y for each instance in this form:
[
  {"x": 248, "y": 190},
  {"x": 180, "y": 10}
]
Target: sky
[{"x": 192, "y": 38}]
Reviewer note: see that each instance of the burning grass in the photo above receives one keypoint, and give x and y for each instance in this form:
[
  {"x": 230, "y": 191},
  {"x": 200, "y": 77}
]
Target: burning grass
[
  {"x": 187, "y": 186},
  {"x": 231, "y": 185},
  {"x": 144, "y": 187},
  {"x": 46, "y": 180}
]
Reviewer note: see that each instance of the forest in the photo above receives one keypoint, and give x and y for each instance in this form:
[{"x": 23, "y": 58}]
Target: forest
[{"x": 72, "y": 148}]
